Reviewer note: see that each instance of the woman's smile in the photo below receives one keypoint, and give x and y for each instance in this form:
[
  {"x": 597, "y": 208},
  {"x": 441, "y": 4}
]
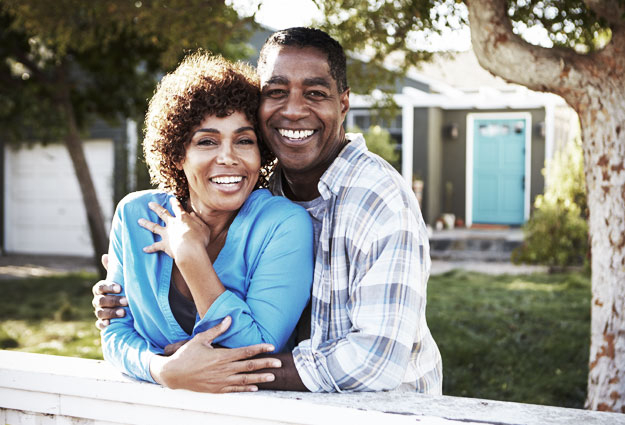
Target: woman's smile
[{"x": 221, "y": 164}]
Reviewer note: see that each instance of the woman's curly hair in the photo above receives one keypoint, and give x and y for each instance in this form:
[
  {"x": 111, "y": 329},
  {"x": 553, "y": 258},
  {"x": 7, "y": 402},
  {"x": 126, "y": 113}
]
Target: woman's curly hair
[{"x": 202, "y": 85}]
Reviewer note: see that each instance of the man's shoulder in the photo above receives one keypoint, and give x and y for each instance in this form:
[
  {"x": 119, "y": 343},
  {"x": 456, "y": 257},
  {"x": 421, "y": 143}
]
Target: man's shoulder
[
  {"x": 369, "y": 177},
  {"x": 371, "y": 197}
]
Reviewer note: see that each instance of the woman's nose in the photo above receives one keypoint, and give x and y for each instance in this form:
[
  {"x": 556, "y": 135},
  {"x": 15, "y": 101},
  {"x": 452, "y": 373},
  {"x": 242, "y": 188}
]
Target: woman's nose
[{"x": 227, "y": 155}]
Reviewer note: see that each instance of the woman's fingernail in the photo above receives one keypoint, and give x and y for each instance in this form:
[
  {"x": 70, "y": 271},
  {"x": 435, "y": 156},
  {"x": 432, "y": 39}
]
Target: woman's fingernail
[
  {"x": 119, "y": 312},
  {"x": 270, "y": 378},
  {"x": 123, "y": 301},
  {"x": 276, "y": 363},
  {"x": 141, "y": 221},
  {"x": 117, "y": 288}
]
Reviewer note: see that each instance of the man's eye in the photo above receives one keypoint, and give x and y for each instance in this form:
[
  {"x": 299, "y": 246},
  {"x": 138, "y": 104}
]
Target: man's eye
[
  {"x": 275, "y": 93},
  {"x": 317, "y": 94}
]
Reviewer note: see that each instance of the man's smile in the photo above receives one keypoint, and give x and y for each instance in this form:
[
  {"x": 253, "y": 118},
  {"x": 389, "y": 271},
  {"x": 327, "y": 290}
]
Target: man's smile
[{"x": 295, "y": 134}]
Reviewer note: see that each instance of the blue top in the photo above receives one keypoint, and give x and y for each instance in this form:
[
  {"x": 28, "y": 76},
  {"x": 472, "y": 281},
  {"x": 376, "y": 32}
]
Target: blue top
[{"x": 266, "y": 266}]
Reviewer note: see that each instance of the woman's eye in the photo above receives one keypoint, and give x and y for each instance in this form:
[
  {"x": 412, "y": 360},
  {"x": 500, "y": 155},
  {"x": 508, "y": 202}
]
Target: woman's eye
[
  {"x": 247, "y": 141},
  {"x": 205, "y": 142}
]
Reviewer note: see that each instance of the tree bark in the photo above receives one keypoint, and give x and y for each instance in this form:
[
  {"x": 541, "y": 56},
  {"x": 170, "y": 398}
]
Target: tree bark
[
  {"x": 73, "y": 142},
  {"x": 594, "y": 86}
]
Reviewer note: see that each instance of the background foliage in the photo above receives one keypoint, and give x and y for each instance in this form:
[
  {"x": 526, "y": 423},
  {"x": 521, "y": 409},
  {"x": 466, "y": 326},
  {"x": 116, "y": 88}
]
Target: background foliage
[
  {"x": 380, "y": 142},
  {"x": 557, "y": 232}
]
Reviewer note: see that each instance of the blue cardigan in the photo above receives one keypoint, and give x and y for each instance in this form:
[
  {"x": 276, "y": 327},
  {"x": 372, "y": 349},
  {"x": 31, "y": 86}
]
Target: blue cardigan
[{"x": 266, "y": 266}]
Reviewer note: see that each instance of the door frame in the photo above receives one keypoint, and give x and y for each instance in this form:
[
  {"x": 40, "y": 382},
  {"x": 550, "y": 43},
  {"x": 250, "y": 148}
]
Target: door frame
[{"x": 471, "y": 118}]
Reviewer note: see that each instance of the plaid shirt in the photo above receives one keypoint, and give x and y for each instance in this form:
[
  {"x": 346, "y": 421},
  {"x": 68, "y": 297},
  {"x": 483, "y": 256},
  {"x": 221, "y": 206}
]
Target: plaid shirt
[{"x": 368, "y": 329}]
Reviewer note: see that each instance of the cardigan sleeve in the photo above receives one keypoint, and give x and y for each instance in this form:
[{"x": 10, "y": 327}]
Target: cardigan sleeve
[{"x": 122, "y": 345}]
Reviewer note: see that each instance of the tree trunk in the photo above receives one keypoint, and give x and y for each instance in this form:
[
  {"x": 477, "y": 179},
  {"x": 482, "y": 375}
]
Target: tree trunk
[
  {"x": 603, "y": 132},
  {"x": 594, "y": 85},
  {"x": 95, "y": 219}
]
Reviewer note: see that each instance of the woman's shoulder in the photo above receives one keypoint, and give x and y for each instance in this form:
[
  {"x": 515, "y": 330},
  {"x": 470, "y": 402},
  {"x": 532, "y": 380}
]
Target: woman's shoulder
[
  {"x": 262, "y": 205},
  {"x": 138, "y": 201}
]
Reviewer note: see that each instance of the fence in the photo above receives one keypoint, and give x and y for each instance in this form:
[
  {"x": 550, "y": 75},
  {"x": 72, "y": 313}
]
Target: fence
[{"x": 43, "y": 390}]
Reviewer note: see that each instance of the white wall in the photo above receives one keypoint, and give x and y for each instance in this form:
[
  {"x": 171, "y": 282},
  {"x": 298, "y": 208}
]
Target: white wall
[
  {"x": 43, "y": 389},
  {"x": 44, "y": 212}
]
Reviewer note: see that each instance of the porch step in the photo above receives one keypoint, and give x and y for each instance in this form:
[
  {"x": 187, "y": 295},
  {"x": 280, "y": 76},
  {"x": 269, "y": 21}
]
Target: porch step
[{"x": 474, "y": 244}]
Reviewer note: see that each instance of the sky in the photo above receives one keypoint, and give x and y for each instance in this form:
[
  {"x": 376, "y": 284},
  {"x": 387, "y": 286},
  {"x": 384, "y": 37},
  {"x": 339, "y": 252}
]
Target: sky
[{"x": 280, "y": 14}]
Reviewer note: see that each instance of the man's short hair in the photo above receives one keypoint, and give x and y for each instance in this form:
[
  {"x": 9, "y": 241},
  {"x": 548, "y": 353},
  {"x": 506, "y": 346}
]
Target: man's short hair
[{"x": 310, "y": 37}]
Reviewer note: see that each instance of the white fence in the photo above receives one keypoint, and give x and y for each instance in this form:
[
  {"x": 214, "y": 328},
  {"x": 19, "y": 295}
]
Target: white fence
[{"x": 44, "y": 390}]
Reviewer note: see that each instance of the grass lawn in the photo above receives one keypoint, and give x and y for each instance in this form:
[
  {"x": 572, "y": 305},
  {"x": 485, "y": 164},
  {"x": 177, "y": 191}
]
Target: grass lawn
[
  {"x": 516, "y": 338},
  {"x": 51, "y": 315}
]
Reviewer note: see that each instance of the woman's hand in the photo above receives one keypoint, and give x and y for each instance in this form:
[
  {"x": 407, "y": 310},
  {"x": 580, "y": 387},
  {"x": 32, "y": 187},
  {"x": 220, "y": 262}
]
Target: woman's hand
[
  {"x": 197, "y": 366},
  {"x": 184, "y": 232}
]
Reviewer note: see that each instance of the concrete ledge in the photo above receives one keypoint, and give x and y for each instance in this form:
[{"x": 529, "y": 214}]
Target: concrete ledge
[{"x": 42, "y": 389}]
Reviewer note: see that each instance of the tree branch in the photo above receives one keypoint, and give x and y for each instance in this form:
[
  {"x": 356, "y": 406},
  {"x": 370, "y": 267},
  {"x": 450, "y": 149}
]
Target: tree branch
[
  {"x": 8, "y": 80},
  {"x": 26, "y": 61},
  {"x": 613, "y": 11},
  {"x": 500, "y": 51}
]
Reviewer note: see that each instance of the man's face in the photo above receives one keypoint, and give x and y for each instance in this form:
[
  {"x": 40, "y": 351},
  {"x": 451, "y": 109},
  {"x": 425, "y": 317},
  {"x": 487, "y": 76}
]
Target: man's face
[{"x": 301, "y": 111}]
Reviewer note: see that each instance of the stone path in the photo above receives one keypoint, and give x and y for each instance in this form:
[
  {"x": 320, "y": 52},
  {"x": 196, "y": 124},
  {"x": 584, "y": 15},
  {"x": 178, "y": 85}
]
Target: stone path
[
  {"x": 16, "y": 266},
  {"x": 21, "y": 266}
]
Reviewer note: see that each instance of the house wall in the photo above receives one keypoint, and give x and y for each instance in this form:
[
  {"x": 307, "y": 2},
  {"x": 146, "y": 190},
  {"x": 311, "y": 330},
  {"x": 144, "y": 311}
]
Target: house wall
[
  {"x": 435, "y": 159},
  {"x": 43, "y": 207},
  {"x": 454, "y": 155},
  {"x": 420, "y": 165},
  {"x": 44, "y": 390}
]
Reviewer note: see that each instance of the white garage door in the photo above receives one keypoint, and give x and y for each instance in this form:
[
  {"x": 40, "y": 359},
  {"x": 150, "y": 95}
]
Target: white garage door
[{"x": 44, "y": 212}]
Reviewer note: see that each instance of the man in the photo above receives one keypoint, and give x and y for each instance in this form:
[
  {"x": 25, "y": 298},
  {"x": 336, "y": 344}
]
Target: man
[{"x": 368, "y": 330}]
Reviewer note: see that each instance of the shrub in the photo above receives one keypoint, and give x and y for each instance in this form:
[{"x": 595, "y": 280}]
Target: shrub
[
  {"x": 557, "y": 232},
  {"x": 379, "y": 141},
  {"x": 556, "y": 235}
]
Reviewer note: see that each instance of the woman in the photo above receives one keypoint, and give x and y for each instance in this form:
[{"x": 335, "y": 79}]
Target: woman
[{"x": 207, "y": 245}]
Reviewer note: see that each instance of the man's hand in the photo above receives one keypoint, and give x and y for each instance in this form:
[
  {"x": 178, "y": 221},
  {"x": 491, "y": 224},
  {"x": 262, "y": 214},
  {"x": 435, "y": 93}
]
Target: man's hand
[
  {"x": 197, "y": 366},
  {"x": 107, "y": 305},
  {"x": 170, "y": 349}
]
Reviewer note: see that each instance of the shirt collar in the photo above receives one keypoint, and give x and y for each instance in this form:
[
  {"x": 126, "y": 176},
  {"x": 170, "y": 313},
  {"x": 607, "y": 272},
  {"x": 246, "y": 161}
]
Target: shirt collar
[{"x": 332, "y": 180}]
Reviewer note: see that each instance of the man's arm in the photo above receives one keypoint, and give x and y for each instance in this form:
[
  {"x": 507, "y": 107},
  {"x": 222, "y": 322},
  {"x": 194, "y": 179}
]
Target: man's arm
[
  {"x": 286, "y": 377},
  {"x": 379, "y": 328}
]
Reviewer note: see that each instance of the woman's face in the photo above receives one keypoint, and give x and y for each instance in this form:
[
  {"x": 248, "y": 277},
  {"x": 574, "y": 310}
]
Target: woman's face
[{"x": 221, "y": 164}]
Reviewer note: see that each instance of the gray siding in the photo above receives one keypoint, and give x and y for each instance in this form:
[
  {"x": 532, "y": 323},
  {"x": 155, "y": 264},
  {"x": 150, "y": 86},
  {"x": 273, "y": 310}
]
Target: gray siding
[{"x": 420, "y": 153}]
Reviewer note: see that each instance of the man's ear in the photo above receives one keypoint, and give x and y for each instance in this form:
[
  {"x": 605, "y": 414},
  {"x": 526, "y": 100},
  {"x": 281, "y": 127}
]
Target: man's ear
[{"x": 344, "y": 99}]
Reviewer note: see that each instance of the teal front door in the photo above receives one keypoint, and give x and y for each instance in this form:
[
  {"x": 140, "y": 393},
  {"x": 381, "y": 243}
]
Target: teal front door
[{"x": 499, "y": 171}]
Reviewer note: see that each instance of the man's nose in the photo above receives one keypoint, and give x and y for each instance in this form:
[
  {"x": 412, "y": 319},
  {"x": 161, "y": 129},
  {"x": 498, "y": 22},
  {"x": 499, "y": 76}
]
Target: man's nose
[{"x": 295, "y": 107}]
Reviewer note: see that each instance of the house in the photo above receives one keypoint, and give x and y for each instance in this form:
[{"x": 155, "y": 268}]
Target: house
[{"x": 477, "y": 144}]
